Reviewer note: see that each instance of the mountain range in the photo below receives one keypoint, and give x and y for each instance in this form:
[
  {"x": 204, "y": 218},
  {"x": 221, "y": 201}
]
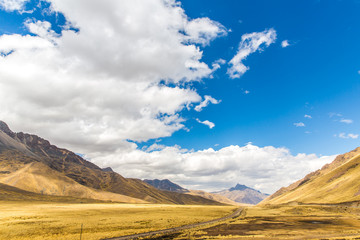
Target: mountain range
[
  {"x": 32, "y": 168},
  {"x": 240, "y": 194},
  {"x": 32, "y": 164}
]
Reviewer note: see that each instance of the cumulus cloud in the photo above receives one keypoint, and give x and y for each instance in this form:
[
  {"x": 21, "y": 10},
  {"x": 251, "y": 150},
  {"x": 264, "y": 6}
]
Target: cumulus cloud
[
  {"x": 206, "y": 102},
  {"x": 347, "y": 121},
  {"x": 265, "y": 168},
  {"x": 120, "y": 77},
  {"x": 299, "y": 124},
  {"x": 285, "y": 43},
  {"x": 348, "y": 136},
  {"x": 250, "y": 43},
  {"x": 94, "y": 89},
  {"x": 13, "y": 5},
  {"x": 207, "y": 123},
  {"x": 307, "y": 116}
]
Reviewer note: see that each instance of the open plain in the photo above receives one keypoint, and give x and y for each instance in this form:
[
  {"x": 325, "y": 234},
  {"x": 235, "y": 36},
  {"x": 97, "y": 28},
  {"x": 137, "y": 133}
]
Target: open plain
[
  {"x": 46, "y": 220},
  {"x": 286, "y": 222}
]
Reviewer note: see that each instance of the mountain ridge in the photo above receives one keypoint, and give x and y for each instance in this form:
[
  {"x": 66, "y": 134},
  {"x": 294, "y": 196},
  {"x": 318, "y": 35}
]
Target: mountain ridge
[{"x": 17, "y": 150}]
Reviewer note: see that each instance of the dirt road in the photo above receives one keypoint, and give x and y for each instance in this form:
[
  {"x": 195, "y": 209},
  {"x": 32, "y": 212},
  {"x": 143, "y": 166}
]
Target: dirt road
[{"x": 177, "y": 229}]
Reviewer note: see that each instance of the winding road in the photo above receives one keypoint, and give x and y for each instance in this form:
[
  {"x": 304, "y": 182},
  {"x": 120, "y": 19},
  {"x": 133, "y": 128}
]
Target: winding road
[{"x": 177, "y": 229}]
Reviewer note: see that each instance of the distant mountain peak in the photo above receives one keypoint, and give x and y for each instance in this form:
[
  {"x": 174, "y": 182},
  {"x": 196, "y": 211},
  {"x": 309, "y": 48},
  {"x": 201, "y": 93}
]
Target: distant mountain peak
[
  {"x": 239, "y": 187},
  {"x": 243, "y": 194}
]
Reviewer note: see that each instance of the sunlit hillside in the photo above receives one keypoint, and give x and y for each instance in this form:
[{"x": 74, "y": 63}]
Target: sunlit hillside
[{"x": 337, "y": 182}]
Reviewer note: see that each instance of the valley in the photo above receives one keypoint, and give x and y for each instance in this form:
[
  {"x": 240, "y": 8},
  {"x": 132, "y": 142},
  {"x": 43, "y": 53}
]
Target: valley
[
  {"x": 179, "y": 120},
  {"x": 51, "y": 193}
]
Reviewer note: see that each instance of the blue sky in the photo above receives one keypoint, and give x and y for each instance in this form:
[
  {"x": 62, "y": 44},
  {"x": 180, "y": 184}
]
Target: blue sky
[
  {"x": 316, "y": 75},
  {"x": 126, "y": 82}
]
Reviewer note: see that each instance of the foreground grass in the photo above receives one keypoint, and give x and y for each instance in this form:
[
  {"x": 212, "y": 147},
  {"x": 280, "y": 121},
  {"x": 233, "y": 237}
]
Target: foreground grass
[
  {"x": 286, "y": 222},
  {"x": 36, "y": 220}
]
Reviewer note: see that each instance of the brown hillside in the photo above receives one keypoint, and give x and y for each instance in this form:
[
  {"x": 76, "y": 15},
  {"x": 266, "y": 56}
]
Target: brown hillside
[
  {"x": 18, "y": 150},
  {"x": 10, "y": 193},
  {"x": 336, "y": 182},
  {"x": 38, "y": 178}
]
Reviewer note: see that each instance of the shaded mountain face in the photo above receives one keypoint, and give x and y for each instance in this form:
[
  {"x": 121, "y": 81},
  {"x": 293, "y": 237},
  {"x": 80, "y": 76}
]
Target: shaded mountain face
[
  {"x": 243, "y": 194},
  {"x": 240, "y": 187},
  {"x": 107, "y": 169},
  {"x": 21, "y": 151},
  {"x": 337, "y": 182},
  {"x": 166, "y": 185}
]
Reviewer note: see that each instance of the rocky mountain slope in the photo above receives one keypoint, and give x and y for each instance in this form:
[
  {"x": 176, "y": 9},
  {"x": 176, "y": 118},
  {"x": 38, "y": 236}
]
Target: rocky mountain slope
[
  {"x": 337, "y": 182},
  {"x": 166, "y": 185},
  {"x": 31, "y": 163},
  {"x": 243, "y": 194}
]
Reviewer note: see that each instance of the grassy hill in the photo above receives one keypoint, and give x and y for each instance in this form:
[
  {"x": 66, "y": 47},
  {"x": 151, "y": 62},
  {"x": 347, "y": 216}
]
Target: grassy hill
[{"x": 337, "y": 182}]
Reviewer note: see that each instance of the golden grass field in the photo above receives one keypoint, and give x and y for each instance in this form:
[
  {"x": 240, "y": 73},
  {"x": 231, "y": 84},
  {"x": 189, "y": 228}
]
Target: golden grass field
[
  {"x": 39, "y": 220},
  {"x": 285, "y": 222}
]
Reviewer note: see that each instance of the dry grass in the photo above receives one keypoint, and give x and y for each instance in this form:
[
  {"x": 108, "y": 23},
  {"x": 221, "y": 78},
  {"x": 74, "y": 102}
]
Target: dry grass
[
  {"x": 286, "y": 222},
  {"x": 34, "y": 220},
  {"x": 335, "y": 184}
]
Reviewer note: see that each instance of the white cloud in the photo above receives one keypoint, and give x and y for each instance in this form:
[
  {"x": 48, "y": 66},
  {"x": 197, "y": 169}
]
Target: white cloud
[
  {"x": 203, "y": 30},
  {"x": 307, "y": 116},
  {"x": 332, "y": 114},
  {"x": 154, "y": 147},
  {"x": 13, "y": 5},
  {"x": 299, "y": 124},
  {"x": 42, "y": 29},
  {"x": 285, "y": 43},
  {"x": 101, "y": 84},
  {"x": 246, "y": 91},
  {"x": 250, "y": 43},
  {"x": 206, "y": 102},
  {"x": 347, "y": 121},
  {"x": 348, "y": 136},
  {"x": 265, "y": 168},
  {"x": 217, "y": 64},
  {"x": 207, "y": 123}
]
